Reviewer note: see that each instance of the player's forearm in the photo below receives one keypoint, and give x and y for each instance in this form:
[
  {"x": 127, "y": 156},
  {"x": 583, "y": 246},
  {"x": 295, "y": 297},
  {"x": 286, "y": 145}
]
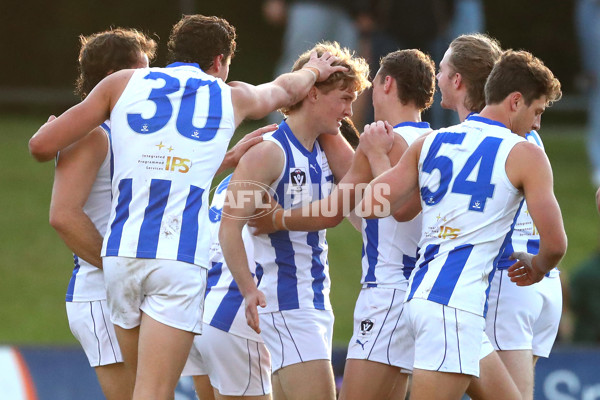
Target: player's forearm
[
  {"x": 232, "y": 244},
  {"x": 79, "y": 234},
  {"x": 552, "y": 250},
  {"x": 293, "y": 87},
  {"x": 379, "y": 164}
]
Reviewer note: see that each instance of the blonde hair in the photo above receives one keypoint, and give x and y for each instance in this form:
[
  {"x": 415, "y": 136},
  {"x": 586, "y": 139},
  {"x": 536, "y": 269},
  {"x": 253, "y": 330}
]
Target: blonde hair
[{"x": 355, "y": 78}]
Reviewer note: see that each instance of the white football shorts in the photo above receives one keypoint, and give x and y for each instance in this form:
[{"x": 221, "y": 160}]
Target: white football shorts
[
  {"x": 376, "y": 336},
  {"x": 524, "y": 317},
  {"x": 295, "y": 336},
  {"x": 171, "y": 292},
  {"x": 440, "y": 338},
  {"x": 90, "y": 324},
  {"x": 236, "y": 366}
]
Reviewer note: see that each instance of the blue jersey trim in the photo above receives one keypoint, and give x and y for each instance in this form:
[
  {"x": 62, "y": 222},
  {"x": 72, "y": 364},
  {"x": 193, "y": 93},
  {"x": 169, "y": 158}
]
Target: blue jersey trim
[
  {"x": 213, "y": 276},
  {"x": 228, "y": 308},
  {"x": 121, "y": 216},
  {"x": 422, "y": 124},
  {"x": 370, "y": 247},
  {"x": 488, "y": 121},
  {"x": 71, "y": 287},
  {"x": 430, "y": 253},
  {"x": 409, "y": 264},
  {"x": 150, "y": 229},
  {"x": 317, "y": 270},
  {"x": 181, "y": 64},
  {"x": 294, "y": 140},
  {"x": 287, "y": 279}
]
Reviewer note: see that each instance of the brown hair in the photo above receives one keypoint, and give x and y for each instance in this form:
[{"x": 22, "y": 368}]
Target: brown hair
[
  {"x": 199, "y": 39},
  {"x": 105, "y": 52},
  {"x": 520, "y": 71},
  {"x": 356, "y": 78},
  {"x": 414, "y": 73},
  {"x": 473, "y": 57},
  {"x": 349, "y": 132}
]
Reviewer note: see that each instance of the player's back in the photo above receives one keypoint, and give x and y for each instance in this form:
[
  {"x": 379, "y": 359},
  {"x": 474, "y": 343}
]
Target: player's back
[
  {"x": 390, "y": 247},
  {"x": 171, "y": 128},
  {"x": 469, "y": 209}
]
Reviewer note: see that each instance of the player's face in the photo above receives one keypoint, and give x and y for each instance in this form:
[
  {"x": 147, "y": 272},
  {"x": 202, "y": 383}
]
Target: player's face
[
  {"x": 445, "y": 79},
  {"x": 529, "y": 118},
  {"x": 332, "y": 107},
  {"x": 377, "y": 92}
]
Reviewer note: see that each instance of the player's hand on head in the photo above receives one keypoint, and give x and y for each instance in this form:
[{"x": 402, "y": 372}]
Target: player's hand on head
[
  {"x": 377, "y": 139},
  {"x": 324, "y": 64},
  {"x": 253, "y": 301},
  {"x": 525, "y": 271}
]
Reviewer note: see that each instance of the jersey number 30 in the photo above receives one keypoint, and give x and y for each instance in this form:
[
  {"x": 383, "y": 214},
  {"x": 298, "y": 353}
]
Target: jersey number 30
[
  {"x": 480, "y": 189},
  {"x": 164, "y": 108}
]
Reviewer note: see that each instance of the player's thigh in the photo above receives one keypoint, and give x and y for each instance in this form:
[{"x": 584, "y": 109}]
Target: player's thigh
[
  {"x": 308, "y": 380},
  {"x": 204, "y": 389},
  {"x": 427, "y": 385},
  {"x": 519, "y": 364},
  {"x": 494, "y": 382},
  {"x": 365, "y": 380}
]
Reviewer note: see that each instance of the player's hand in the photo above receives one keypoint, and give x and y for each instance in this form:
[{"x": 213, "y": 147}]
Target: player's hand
[
  {"x": 253, "y": 300},
  {"x": 266, "y": 223},
  {"x": 252, "y": 138},
  {"x": 525, "y": 271},
  {"x": 324, "y": 64},
  {"x": 377, "y": 139}
]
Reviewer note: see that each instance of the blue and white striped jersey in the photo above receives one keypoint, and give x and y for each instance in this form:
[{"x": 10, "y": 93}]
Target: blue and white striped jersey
[
  {"x": 296, "y": 271},
  {"x": 170, "y": 131},
  {"x": 223, "y": 304},
  {"x": 525, "y": 236},
  {"x": 469, "y": 210},
  {"x": 87, "y": 281},
  {"x": 389, "y": 249}
]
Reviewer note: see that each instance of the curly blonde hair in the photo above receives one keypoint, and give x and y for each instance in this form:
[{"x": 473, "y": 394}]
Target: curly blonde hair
[{"x": 355, "y": 78}]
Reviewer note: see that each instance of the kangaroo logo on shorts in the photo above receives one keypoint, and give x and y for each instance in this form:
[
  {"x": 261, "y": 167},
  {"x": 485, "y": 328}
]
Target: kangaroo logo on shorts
[
  {"x": 366, "y": 326},
  {"x": 297, "y": 176}
]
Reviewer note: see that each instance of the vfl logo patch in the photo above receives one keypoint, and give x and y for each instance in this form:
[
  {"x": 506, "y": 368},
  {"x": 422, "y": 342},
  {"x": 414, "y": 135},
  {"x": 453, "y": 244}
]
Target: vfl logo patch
[
  {"x": 297, "y": 176},
  {"x": 366, "y": 327}
]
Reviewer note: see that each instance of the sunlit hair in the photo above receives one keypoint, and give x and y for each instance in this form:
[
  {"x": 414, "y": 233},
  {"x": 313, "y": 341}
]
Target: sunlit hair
[
  {"x": 199, "y": 39},
  {"x": 105, "y": 52},
  {"x": 520, "y": 71},
  {"x": 355, "y": 78},
  {"x": 473, "y": 56},
  {"x": 414, "y": 73},
  {"x": 349, "y": 132}
]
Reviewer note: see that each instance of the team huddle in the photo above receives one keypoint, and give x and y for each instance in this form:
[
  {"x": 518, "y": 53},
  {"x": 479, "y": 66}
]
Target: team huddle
[{"x": 461, "y": 230}]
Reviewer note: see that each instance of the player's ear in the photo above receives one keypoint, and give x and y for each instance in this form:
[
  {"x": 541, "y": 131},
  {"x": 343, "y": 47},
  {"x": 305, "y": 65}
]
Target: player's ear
[
  {"x": 313, "y": 94},
  {"x": 457, "y": 80},
  {"x": 387, "y": 84},
  {"x": 515, "y": 99}
]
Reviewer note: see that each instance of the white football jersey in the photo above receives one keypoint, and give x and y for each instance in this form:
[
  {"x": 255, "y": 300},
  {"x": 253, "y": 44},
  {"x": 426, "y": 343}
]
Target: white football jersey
[
  {"x": 223, "y": 303},
  {"x": 296, "y": 271},
  {"x": 87, "y": 281},
  {"x": 390, "y": 247},
  {"x": 525, "y": 237},
  {"x": 469, "y": 210},
  {"x": 170, "y": 131}
]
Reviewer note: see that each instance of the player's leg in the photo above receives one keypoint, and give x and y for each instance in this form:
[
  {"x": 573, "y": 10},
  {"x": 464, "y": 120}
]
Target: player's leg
[
  {"x": 365, "y": 379},
  {"x": 437, "y": 385},
  {"x": 128, "y": 342},
  {"x": 114, "y": 381},
  {"x": 520, "y": 366},
  {"x": 494, "y": 382},
  {"x": 204, "y": 389},
  {"x": 162, "y": 353},
  {"x": 307, "y": 380}
]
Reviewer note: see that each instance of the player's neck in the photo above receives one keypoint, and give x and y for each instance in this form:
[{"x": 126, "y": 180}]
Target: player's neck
[
  {"x": 303, "y": 130},
  {"x": 496, "y": 112},
  {"x": 398, "y": 113},
  {"x": 462, "y": 110}
]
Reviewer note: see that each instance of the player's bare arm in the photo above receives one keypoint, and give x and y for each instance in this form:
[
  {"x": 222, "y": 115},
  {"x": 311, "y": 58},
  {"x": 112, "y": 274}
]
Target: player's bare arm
[
  {"x": 534, "y": 178},
  {"x": 262, "y": 164},
  {"x": 80, "y": 119},
  {"x": 256, "y": 102},
  {"x": 396, "y": 187},
  {"x": 74, "y": 176},
  {"x": 232, "y": 157}
]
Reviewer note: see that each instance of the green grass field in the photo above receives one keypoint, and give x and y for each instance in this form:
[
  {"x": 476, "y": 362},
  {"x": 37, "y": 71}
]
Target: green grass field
[{"x": 35, "y": 265}]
